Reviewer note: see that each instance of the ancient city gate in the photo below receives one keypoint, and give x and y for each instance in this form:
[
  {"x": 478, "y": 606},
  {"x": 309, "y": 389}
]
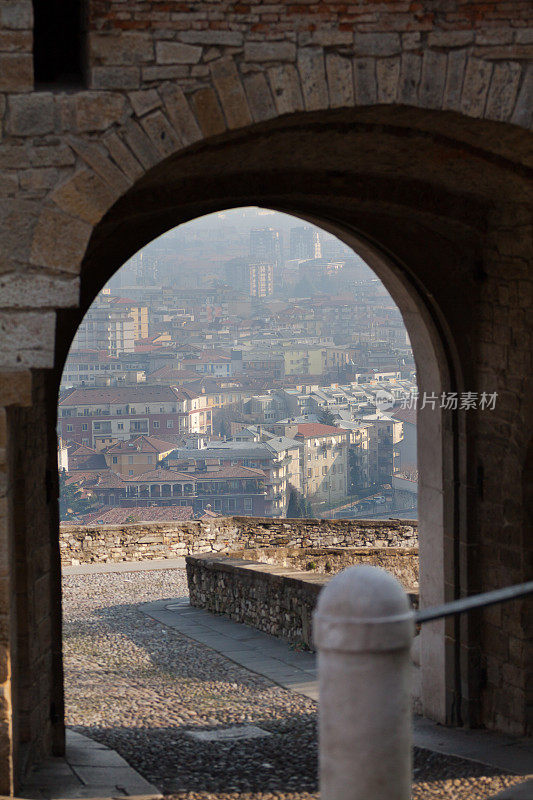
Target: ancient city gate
[{"x": 403, "y": 128}]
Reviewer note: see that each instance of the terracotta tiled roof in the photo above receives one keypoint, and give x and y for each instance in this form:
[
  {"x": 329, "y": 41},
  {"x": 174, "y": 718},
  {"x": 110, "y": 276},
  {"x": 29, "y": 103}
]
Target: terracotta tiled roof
[
  {"x": 124, "y": 394},
  {"x": 405, "y": 415},
  {"x": 308, "y": 429},
  {"x": 119, "y": 516},
  {"x": 141, "y": 444}
]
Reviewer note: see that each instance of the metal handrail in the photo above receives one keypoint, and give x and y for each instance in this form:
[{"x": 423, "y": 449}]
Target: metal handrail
[{"x": 474, "y": 601}]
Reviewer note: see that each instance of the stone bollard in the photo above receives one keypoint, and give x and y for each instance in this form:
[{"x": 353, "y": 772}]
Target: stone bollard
[{"x": 363, "y": 631}]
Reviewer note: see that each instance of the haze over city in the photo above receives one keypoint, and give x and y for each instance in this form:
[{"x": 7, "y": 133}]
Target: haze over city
[{"x": 254, "y": 354}]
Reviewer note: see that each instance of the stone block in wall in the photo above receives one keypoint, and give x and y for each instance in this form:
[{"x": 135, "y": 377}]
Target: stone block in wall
[
  {"x": 212, "y": 37},
  {"x": 16, "y": 14},
  {"x": 177, "y": 53},
  {"x": 20, "y": 290},
  {"x": 30, "y": 115},
  {"x": 377, "y": 44},
  {"x": 269, "y": 51},
  {"x": 108, "y": 49},
  {"x": 122, "y": 78},
  {"x": 16, "y": 72},
  {"x": 28, "y": 339}
]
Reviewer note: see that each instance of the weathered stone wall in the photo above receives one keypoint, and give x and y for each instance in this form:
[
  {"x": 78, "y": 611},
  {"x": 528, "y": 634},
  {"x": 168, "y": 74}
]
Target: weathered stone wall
[
  {"x": 277, "y": 599},
  {"x": 401, "y": 561},
  {"x": 139, "y": 542}
]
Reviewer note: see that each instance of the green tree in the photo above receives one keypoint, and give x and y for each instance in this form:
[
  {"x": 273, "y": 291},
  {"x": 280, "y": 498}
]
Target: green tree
[
  {"x": 296, "y": 508},
  {"x": 71, "y": 501}
]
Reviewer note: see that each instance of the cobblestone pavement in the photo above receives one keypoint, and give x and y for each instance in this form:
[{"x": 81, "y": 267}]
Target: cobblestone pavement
[{"x": 138, "y": 687}]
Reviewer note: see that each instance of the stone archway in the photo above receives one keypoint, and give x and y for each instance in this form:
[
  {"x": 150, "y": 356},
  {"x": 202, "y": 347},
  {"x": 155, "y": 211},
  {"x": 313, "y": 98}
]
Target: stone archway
[{"x": 413, "y": 148}]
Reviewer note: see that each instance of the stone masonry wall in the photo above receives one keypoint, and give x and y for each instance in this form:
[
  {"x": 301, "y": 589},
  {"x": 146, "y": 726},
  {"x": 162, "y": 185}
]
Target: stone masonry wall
[
  {"x": 277, "y": 599},
  {"x": 108, "y": 543}
]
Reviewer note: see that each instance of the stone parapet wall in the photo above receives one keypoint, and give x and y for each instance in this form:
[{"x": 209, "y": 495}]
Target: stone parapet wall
[
  {"x": 280, "y": 600},
  {"x": 328, "y": 561},
  {"x": 111, "y": 543}
]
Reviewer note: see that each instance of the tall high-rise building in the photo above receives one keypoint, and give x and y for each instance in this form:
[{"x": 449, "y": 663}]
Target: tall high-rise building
[
  {"x": 261, "y": 279},
  {"x": 305, "y": 242},
  {"x": 265, "y": 245},
  {"x": 236, "y": 272}
]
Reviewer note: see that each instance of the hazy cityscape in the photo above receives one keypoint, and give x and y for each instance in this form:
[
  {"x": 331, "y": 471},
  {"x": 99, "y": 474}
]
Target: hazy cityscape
[{"x": 246, "y": 363}]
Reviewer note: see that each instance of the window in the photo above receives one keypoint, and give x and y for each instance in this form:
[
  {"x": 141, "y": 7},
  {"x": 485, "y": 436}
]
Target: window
[
  {"x": 170, "y": 423},
  {"x": 147, "y": 409},
  {"x": 324, "y": 470},
  {"x": 156, "y": 424},
  {"x": 130, "y": 472},
  {"x": 85, "y": 426},
  {"x": 132, "y": 410},
  {"x": 130, "y": 459},
  {"x": 150, "y": 460},
  {"x": 309, "y": 473},
  {"x": 69, "y": 427},
  {"x": 247, "y": 504},
  {"x": 120, "y": 426},
  {"x": 115, "y": 460}
]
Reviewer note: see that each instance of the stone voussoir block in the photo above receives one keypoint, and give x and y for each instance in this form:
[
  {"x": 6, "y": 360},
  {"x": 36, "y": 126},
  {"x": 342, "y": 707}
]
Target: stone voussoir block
[
  {"x": 208, "y": 112},
  {"x": 98, "y": 111},
  {"x": 96, "y": 157},
  {"x": 161, "y": 133},
  {"x": 339, "y": 71},
  {"x": 59, "y": 240},
  {"x": 313, "y": 78},
  {"x": 259, "y": 97},
  {"x": 230, "y": 91},
  {"x": 85, "y": 195},
  {"x": 286, "y": 88},
  {"x": 180, "y": 113}
]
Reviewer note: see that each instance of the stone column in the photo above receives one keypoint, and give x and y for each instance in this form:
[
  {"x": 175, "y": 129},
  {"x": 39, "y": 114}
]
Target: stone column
[{"x": 363, "y": 630}]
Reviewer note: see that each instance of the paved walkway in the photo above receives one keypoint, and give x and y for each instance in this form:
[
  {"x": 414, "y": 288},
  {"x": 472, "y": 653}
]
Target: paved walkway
[
  {"x": 89, "y": 769},
  {"x": 296, "y": 671}
]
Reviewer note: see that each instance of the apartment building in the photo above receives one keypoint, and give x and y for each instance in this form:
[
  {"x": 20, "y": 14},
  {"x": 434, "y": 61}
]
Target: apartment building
[
  {"x": 227, "y": 490},
  {"x": 100, "y": 417},
  {"x": 137, "y": 456},
  {"x": 324, "y": 459},
  {"x": 278, "y": 457},
  {"x": 305, "y": 360},
  {"x": 261, "y": 276}
]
